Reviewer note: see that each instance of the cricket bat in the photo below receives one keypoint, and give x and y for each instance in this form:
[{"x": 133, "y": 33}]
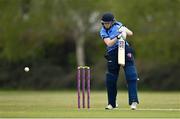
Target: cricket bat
[
  {"x": 121, "y": 48},
  {"x": 121, "y": 52}
]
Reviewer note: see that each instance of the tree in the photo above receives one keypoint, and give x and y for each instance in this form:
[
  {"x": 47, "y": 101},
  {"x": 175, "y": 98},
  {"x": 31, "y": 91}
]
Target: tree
[{"x": 82, "y": 16}]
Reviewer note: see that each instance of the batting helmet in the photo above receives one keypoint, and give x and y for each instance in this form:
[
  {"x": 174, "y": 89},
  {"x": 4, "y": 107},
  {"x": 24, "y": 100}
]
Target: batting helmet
[{"x": 107, "y": 17}]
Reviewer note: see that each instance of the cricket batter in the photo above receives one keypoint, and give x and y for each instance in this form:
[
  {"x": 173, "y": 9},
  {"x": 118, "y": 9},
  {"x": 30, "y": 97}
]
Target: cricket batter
[{"x": 110, "y": 34}]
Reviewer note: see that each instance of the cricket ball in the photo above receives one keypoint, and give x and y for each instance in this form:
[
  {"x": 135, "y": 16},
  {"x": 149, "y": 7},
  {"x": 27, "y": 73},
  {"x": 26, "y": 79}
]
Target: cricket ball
[{"x": 26, "y": 69}]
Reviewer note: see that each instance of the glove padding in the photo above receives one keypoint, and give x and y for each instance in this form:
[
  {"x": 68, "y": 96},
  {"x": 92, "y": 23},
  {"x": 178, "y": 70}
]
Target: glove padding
[{"x": 122, "y": 35}]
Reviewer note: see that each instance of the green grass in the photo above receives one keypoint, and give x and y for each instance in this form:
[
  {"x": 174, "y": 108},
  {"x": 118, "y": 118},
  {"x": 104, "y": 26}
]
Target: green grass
[{"x": 64, "y": 104}]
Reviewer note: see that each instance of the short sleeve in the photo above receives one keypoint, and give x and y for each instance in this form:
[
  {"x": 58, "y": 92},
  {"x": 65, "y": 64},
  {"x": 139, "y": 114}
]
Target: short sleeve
[{"x": 103, "y": 34}]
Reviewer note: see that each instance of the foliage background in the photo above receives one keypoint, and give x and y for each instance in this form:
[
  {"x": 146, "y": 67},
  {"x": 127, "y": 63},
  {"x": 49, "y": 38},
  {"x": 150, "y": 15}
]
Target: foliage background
[{"x": 53, "y": 37}]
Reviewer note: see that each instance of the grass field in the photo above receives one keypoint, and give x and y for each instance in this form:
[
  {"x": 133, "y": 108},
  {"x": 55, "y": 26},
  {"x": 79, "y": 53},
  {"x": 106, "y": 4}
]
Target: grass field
[{"x": 64, "y": 104}]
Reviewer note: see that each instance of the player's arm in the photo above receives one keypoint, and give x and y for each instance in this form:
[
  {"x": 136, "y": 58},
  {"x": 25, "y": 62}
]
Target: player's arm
[
  {"x": 128, "y": 32},
  {"x": 125, "y": 29},
  {"x": 110, "y": 42}
]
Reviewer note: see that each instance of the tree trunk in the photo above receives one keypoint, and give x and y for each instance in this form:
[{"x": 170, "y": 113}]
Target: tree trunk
[
  {"x": 25, "y": 7},
  {"x": 80, "y": 51},
  {"x": 80, "y": 39}
]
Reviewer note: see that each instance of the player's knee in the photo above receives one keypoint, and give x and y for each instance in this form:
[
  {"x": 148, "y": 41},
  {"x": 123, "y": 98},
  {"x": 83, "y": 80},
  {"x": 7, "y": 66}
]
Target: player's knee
[
  {"x": 111, "y": 80},
  {"x": 110, "y": 77},
  {"x": 114, "y": 71},
  {"x": 131, "y": 73},
  {"x": 113, "y": 67}
]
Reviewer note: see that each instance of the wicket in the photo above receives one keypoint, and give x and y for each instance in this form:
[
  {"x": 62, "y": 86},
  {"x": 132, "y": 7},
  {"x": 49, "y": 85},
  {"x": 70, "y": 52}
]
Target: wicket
[{"x": 83, "y": 75}]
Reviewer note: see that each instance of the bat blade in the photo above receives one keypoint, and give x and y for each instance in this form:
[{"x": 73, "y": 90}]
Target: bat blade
[{"x": 121, "y": 52}]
